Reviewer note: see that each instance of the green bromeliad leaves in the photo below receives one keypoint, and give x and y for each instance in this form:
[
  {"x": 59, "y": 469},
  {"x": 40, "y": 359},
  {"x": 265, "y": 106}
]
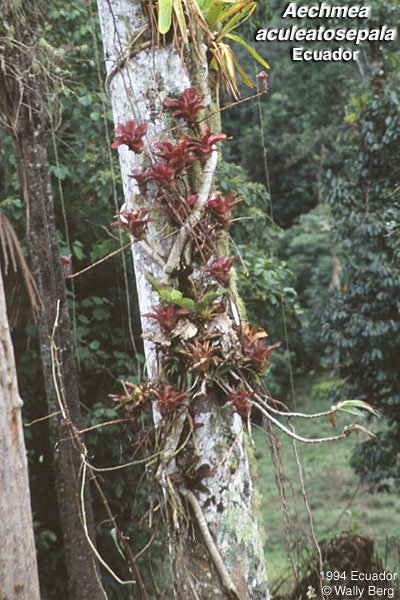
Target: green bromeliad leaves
[
  {"x": 172, "y": 296},
  {"x": 164, "y": 16},
  {"x": 219, "y": 18}
]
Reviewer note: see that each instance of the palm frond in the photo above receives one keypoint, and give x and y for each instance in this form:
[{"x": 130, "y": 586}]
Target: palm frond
[{"x": 23, "y": 300}]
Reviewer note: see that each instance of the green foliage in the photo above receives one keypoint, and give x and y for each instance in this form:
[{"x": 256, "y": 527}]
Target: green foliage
[
  {"x": 327, "y": 390},
  {"x": 265, "y": 281},
  {"x": 83, "y": 183},
  {"x": 300, "y": 115},
  {"x": 326, "y": 468},
  {"x": 172, "y": 296},
  {"x": 308, "y": 247},
  {"x": 362, "y": 326},
  {"x": 218, "y": 19}
]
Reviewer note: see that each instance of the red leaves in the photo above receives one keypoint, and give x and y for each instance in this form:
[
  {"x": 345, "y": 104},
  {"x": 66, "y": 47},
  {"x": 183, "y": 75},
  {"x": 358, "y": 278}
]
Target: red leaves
[
  {"x": 141, "y": 179},
  {"x": 255, "y": 351},
  {"x": 163, "y": 173},
  {"x": 130, "y": 135},
  {"x": 168, "y": 398},
  {"x": 134, "y": 221},
  {"x": 167, "y": 315},
  {"x": 222, "y": 207},
  {"x": 205, "y": 145},
  {"x": 241, "y": 400},
  {"x": 137, "y": 398},
  {"x": 220, "y": 268},
  {"x": 177, "y": 156},
  {"x": 187, "y": 106},
  {"x": 180, "y": 208},
  {"x": 201, "y": 347},
  {"x": 257, "y": 356}
]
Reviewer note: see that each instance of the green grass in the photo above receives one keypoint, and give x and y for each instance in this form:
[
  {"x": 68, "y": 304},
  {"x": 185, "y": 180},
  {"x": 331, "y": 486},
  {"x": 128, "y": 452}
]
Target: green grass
[{"x": 331, "y": 487}]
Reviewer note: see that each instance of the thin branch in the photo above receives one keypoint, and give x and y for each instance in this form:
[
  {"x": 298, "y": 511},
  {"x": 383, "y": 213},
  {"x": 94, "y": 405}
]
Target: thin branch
[
  {"x": 211, "y": 547},
  {"x": 295, "y": 415},
  {"x": 309, "y": 514},
  {"x": 125, "y": 57},
  {"x": 54, "y": 362},
  {"x": 85, "y": 529},
  {"x": 53, "y": 414},
  {"x": 152, "y": 253},
  {"x": 98, "y": 262},
  {"x": 105, "y": 424},
  {"x": 81, "y": 448},
  {"x": 281, "y": 413},
  {"x": 177, "y": 249},
  {"x": 264, "y": 409},
  {"x": 297, "y": 437},
  {"x": 143, "y": 244},
  {"x": 149, "y": 460}
]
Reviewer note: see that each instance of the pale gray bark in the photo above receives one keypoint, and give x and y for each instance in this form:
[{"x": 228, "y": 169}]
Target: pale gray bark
[
  {"x": 18, "y": 566},
  {"x": 138, "y": 84}
]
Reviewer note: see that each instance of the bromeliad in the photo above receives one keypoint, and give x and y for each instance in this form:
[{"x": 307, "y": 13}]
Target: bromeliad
[
  {"x": 187, "y": 106},
  {"x": 220, "y": 269},
  {"x": 130, "y": 135}
]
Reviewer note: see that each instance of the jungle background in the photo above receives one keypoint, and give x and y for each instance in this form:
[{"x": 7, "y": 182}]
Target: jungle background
[{"x": 316, "y": 162}]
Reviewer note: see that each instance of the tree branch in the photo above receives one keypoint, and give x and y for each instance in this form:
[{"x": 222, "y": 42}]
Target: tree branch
[
  {"x": 211, "y": 547},
  {"x": 177, "y": 249}
]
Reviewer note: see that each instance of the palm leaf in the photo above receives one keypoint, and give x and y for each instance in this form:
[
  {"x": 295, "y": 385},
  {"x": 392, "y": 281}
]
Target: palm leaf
[{"x": 22, "y": 296}]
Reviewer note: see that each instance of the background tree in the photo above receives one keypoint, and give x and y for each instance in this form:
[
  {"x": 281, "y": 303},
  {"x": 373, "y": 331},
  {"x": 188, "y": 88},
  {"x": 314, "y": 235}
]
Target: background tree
[
  {"x": 18, "y": 567},
  {"x": 22, "y": 107},
  {"x": 362, "y": 324}
]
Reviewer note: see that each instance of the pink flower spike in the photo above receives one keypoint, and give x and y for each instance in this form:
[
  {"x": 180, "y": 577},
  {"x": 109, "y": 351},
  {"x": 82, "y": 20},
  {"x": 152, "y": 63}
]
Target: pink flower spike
[{"x": 263, "y": 79}]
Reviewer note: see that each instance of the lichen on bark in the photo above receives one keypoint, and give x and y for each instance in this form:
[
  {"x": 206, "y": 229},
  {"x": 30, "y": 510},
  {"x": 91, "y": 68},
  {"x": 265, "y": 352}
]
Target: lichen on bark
[{"x": 137, "y": 90}]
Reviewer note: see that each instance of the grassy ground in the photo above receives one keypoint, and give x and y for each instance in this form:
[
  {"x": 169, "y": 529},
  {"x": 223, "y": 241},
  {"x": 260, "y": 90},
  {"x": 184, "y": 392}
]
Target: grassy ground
[{"x": 337, "y": 501}]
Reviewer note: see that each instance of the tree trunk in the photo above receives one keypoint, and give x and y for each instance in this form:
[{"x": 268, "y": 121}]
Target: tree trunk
[
  {"x": 22, "y": 106},
  {"x": 215, "y": 543},
  {"x": 18, "y": 567},
  {"x": 30, "y": 150}
]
